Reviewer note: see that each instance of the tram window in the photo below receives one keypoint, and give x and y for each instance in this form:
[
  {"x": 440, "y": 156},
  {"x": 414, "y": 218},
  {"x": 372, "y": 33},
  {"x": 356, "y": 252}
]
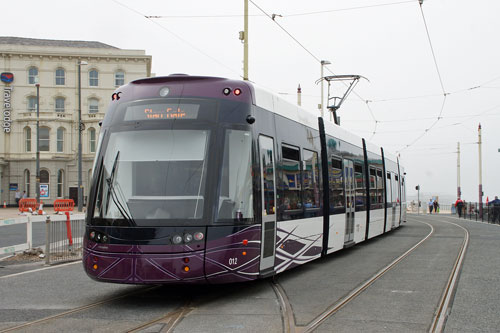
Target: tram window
[
  {"x": 153, "y": 182},
  {"x": 291, "y": 202},
  {"x": 373, "y": 186},
  {"x": 311, "y": 184},
  {"x": 235, "y": 198},
  {"x": 359, "y": 187},
  {"x": 336, "y": 185},
  {"x": 380, "y": 187}
]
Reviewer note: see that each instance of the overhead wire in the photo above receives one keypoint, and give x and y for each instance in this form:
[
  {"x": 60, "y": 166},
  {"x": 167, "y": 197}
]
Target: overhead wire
[
  {"x": 440, "y": 82},
  {"x": 367, "y": 102},
  {"x": 283, "y": 15},
  {"x": 317, "y": 58},
  {"x": 179, "y": 38}
]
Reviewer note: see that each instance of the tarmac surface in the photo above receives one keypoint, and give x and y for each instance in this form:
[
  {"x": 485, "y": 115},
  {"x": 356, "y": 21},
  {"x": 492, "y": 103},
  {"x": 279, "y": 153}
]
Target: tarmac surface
[{"x": 403, "y": 300}]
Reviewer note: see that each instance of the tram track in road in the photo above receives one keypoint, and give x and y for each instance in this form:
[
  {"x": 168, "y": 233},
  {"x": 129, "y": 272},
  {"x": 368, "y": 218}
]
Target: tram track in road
[
  {"x": 76, "y": 310},
  {"x": 445, "y": 303},
  {"x": 289, "y": 325}
]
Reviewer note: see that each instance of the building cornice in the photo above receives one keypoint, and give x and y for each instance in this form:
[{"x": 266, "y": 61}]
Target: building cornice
[{"x": 77, "y": 56}]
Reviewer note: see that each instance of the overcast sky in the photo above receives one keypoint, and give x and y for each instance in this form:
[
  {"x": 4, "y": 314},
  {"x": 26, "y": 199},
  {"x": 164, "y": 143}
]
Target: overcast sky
[{"x": 383, "y": 40}]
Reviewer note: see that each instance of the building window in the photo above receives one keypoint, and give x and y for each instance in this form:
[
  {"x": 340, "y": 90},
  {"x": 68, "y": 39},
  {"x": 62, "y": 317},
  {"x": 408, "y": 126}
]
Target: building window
[
  {"x": 32, "y": 74},
  {"x": 119, "y": 78},
  {"x": 44, "y": 139},
  {"x": 93, "y": 105},
  {"x": 93, "y": 78},
  {"x": 92, "y": 140},
  {"x": 31, "y": 103},
  {"x": 60, "y": 77},
  {"x": 27, "y": 182},
  {"x": 27, "y": 139},
  {"x": 60, "y": 104},
  {"x": 60, "y": 183},
  {"x": 60, "y": 139},
  {"x": 44, "y": 180}
]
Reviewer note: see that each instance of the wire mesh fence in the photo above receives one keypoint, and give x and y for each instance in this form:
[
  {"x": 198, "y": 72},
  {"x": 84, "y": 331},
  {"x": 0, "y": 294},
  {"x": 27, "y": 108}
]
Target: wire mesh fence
[{"x": 64, "y": 239}]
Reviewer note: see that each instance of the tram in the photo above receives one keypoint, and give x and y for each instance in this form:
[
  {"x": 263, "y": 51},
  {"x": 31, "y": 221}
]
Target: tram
[{"x": 212, "y": 180}]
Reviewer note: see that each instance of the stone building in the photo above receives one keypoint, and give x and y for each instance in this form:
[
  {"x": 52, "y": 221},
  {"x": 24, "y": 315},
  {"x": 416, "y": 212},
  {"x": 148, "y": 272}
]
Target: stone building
[{"x": 54, "y": 65}]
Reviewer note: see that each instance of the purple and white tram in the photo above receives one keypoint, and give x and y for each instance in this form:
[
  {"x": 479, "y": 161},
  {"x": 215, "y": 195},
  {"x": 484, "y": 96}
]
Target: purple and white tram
[{"x": 211, "y": 180}]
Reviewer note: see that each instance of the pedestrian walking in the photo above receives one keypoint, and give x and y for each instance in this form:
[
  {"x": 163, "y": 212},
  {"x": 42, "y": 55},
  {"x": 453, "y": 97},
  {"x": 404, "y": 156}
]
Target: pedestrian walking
[
  {"x": 459, "y": 205},
  {"x": 25, "y": 195},
  {"x": 431, "y": 206},
  {"x": 18, "y": 197},
  {"x": 436, "y": 206},
  {"x": 495, "y": 210}
]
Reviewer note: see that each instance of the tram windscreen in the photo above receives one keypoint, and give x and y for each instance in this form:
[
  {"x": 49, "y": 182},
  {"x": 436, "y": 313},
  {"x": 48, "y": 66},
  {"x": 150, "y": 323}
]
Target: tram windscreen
[{"x": 153, "y": 175}]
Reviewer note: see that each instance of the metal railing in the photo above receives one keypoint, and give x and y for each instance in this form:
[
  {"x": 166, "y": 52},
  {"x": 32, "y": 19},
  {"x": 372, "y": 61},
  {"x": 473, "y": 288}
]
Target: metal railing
[
  {"x": 64, "y": 239},
  {"x": 29, "y": 235},
  {"x": 470, "y": 211}
]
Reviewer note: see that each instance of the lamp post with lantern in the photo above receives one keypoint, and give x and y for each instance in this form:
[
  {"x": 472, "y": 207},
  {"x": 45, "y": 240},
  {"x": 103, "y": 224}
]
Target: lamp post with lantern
[
  {"x": 80, "y": 186},
  {"x": 37, "y": 185}
]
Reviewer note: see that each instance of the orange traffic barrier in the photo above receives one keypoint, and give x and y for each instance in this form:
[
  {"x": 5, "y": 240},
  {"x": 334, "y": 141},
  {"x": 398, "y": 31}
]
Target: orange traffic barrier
[
  {"x": 64, "y": 205},
  {"x": 26, "y": 204}
]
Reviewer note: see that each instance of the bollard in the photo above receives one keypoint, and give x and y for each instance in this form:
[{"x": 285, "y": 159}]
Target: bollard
[
  {"x": 47, "y": 240},
  {"x": 68, "y": 232},
  {"x": 29, "y": 233}
]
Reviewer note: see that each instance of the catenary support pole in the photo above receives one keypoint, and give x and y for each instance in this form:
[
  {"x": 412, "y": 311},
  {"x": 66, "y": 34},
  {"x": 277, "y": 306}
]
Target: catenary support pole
[
  {"x": 459, "y": 192},
  {"x": 480, "y": 175}
]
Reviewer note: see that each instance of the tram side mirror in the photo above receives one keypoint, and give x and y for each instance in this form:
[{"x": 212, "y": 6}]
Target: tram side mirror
[{"x": 250, "y": 119}]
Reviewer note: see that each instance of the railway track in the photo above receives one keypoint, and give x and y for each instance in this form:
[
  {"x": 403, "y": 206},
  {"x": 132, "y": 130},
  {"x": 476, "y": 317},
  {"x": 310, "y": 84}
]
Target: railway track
[
  {"x": 168, "y": 321},
  {"x": 442, "y": 308}
]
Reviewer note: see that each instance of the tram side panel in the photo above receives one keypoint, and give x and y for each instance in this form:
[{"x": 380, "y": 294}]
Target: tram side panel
[
  {"x": 343, "y": 228},
  {"x": 299, "y": 194},
  {"x": 376, "y": 192}
]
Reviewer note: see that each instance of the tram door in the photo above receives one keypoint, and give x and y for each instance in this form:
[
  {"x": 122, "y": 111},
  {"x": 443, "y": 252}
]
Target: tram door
[
  {"x": 268, "y": 186},
  {"x": 350, "y": 204}
]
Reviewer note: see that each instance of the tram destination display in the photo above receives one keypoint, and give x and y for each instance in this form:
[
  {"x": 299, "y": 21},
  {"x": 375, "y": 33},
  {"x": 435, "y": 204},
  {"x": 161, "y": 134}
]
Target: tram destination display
[{"x": 162, "y": 111}]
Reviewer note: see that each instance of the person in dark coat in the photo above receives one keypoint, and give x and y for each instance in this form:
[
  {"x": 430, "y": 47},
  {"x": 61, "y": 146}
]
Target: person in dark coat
[
  {"x": 459, "y": 205},
  {"x": 495, "y": 210},
  {"x": 436, "y": 206}
]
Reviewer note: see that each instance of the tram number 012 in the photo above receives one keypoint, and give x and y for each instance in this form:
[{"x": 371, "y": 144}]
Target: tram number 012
[{"x": 233, "y": 261}]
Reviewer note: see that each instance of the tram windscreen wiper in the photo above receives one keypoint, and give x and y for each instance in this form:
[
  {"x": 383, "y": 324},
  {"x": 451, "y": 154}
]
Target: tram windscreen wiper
[
  {"x": 111, "y": 179},
  {"x": 114, "y": 191}
]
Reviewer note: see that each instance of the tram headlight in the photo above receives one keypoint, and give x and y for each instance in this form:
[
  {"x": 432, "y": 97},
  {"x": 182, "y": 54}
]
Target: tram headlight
[
  {"x": 226, "y": 91},
  {"x": 177, "y": 239},
  {"x": 198, "y": 236},
  {"x": 188, "y": 238},
  {"x": 92, "y": 235},
  {"x": 164, "y": 91}
]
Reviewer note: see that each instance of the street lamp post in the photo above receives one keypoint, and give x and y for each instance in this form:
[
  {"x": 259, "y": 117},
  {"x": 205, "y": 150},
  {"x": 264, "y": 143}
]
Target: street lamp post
[
  {"x": 323, "y": 63},
  {"x": 37, "y": 186},
  {"x": 80, "y": 186}
]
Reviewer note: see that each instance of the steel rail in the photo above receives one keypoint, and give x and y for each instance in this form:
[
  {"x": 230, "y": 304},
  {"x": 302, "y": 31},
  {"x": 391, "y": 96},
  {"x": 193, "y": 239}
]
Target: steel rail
[
  {"x": 171, "y": 319},
  {"x": 286, "y": 307},
  {"x": 444, "y": 304},
  {"x": 78, "y": 309}
]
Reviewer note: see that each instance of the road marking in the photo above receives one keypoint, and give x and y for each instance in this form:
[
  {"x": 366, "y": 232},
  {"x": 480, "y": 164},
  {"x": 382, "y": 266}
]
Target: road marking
[{"x": 40, "y": 269}]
